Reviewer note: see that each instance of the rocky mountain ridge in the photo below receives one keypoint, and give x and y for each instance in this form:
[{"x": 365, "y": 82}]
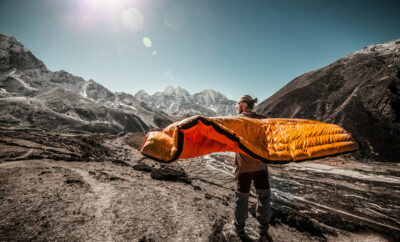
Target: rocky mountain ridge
[
  {"x": 31, "y": 96},
  {"x": 178, "y": 101},
  {"x": 360, "y": 92}
]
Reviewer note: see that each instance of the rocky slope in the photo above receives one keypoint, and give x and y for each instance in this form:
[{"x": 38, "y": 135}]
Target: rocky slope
[
  {"x": 360, "y": 92},
  {"x": 98, "y": 187},
  {"x": 31, "y": 96},
  {"x": 178, "y": 101}
]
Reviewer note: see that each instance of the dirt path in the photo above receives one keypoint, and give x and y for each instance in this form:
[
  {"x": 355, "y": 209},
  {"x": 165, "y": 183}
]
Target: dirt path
[
  {"x": 103, "y": 195},
  {"x": 97, "y": 203}
]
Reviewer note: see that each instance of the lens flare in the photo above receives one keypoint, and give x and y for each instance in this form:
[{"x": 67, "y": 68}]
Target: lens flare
[
  {"x": 132, "y": 20},
  {"x": 147, "y": 42}
]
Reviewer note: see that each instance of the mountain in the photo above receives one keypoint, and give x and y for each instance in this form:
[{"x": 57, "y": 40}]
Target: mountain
[
  {"x": 31, "y": 96},
  {"x": 178, "y": 101},
  {"x": 360, "y": 92}
]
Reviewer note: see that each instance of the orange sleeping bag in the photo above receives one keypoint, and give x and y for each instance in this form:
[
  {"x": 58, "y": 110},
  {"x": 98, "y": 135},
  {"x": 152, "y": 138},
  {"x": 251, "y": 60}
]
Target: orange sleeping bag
[{"x": 267, "y": 140}]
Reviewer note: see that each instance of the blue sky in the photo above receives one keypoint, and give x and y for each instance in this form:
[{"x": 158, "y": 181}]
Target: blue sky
[{"x": 236, "y": 47}]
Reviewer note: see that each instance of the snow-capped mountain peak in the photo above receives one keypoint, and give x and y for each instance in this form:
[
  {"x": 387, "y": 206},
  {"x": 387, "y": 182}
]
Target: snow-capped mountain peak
[
  {"x": 178, "y": 101},
  {"x": 169, "y": 90}
]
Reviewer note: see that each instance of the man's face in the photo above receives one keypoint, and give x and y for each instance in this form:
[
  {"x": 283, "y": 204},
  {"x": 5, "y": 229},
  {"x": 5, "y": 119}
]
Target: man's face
[{"x": 241, "y": 107}]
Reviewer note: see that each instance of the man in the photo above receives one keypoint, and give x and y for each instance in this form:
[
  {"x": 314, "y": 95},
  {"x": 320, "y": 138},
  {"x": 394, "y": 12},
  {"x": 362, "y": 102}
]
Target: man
[{"x": 248, "y": 170}]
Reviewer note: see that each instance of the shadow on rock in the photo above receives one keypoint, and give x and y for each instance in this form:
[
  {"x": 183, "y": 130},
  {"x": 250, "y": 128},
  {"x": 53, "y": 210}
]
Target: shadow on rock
[{"x": 170, "y": 174}]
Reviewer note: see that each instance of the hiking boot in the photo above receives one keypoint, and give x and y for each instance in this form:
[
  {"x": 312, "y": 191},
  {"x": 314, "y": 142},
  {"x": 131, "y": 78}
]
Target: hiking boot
[
  {"x": 238, "y": 230},
  {"x": 265, "y": 236}
]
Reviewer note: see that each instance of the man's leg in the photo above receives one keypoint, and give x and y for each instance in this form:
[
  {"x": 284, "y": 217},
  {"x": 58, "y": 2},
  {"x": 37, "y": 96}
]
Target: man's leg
[
  {"x": 261, "y": 183},
  {"x": 241, "y": 202}
]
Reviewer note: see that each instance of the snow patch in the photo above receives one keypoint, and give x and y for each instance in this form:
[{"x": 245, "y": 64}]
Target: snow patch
[
  {"x": 83, "y": 90},
  {"x": 15, "y": 99}
]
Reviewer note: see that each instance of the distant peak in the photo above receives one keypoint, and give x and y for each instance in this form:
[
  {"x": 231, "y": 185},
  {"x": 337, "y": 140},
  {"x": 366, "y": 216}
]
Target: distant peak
[
  {"x": 170, "y": 90},
  {"x": 390, "y": 47},
  {"x": 141, "y": 91},
  {"x": 210, "y": 90},
  {"x": 4, "y": 37},
  {"x": 11, "y": 44},
  {"x": 14, "y": 55},
  {"x": 142, "y": 95}
]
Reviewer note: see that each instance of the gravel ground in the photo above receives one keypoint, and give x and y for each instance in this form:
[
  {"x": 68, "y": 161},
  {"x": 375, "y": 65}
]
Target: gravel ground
[{"x": 98, "y": 187}]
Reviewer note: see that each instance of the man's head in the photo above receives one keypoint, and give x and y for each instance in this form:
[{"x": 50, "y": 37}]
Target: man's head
[{"x": 246, "y": 103}]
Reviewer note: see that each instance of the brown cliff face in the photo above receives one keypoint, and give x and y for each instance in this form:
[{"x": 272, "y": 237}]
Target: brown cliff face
[{"x": 360, "y": 92}]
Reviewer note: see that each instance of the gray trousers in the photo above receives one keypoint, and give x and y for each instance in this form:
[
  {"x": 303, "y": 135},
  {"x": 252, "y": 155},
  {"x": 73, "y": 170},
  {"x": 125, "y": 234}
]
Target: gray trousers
[{"x": 263, "y": 191}]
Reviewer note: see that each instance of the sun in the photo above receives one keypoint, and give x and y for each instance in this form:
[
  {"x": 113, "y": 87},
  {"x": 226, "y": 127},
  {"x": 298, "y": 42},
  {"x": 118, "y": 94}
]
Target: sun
[{"x": 113, "y": 15}]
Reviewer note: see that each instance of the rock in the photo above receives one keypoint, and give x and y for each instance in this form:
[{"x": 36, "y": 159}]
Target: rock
[
  {"x": 170, "y": 174},
  {"x": 120, "y": 162},
  {"x": 145, "y": 239},
  {"x": 142, "y": 167}
]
